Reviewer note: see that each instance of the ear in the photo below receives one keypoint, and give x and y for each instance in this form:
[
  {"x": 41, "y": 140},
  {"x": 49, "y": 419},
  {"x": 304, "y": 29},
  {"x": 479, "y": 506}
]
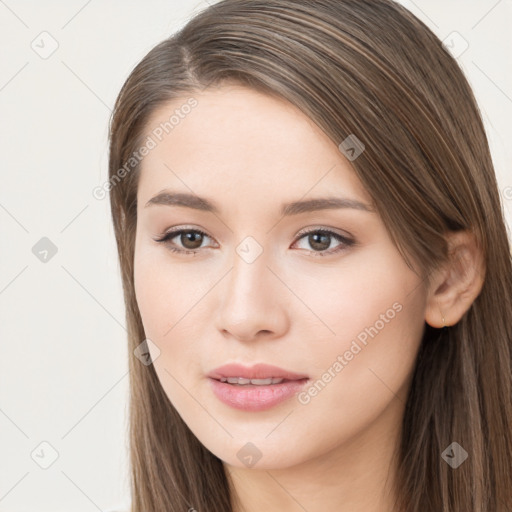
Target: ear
[{"x": 457, "y": 283}]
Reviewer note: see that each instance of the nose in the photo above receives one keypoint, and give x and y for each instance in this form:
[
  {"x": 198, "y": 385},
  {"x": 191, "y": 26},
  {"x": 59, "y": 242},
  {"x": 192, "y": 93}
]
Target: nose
[{"x": 253, "y": 302}]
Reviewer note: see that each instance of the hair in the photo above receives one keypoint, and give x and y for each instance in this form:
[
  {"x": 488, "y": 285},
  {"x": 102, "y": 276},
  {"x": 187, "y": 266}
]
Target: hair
[{"x": 367, "y": 68}]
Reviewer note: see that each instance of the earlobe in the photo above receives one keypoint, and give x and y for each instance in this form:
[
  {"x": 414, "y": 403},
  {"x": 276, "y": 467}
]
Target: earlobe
[{"x": 458, "y": 283}]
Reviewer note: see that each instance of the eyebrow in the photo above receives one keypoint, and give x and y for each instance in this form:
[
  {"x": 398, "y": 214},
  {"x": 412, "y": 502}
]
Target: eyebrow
[{"x": 170, "y": 198}]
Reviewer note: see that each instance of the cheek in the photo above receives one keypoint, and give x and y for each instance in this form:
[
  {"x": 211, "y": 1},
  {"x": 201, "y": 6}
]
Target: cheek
[
  {"x": 148, "y": 293},
  {"x": 168, "y": 300},
  {"x": 353, "y": 295},
  {"x": 161, "y": 291},
  {"x": 154, "y": 290},
  {"x": 161, "y": 308},
  {"x": 378, "y": 324}
]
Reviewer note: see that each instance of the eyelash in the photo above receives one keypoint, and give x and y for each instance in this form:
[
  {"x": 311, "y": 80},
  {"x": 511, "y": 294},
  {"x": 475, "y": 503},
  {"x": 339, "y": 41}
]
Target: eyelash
[{"x": 346, "y": 242}]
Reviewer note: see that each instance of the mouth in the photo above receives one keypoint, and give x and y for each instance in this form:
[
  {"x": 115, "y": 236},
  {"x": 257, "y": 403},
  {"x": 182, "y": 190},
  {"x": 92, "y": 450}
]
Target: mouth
[
  {"x": 240, "y": 381},
  {"x": 258, "y": 374},
  {"x": 255, "y": 388}
]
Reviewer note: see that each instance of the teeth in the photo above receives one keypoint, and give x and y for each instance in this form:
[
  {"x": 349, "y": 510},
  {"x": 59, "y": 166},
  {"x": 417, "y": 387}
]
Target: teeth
[{"x": 258, "y": 382}]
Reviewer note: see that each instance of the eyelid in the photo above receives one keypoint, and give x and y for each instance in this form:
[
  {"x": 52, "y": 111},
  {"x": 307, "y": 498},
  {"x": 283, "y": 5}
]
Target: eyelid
[
  {"x": 315, "y": 228},
  {"x": 304, "y": 231},
  {"x": 173, "y": 232}
]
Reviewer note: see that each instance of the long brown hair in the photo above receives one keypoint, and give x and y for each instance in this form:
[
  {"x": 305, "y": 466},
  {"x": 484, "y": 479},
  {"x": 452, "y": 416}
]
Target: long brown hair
[{"x": 367, "y": 68}]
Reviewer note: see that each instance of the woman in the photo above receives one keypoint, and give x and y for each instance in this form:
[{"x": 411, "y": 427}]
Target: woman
[{"x": 315, "y": 266}]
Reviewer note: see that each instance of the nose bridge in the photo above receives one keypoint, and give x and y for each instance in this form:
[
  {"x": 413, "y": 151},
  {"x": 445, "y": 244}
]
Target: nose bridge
[
  {"x": 249, "y": 275},
  {"x": 250, "y": 301}
]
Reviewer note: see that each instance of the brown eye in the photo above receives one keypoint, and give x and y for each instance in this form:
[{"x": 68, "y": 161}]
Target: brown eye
[
  {"x": 320, "y": 241},
  {"x": 189, "y": 240}
]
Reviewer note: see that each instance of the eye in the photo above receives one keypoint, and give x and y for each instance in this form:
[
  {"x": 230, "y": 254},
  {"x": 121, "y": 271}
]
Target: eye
[
  {"x": 319, "y": 239},
  {"x": 190, "y": 238}
]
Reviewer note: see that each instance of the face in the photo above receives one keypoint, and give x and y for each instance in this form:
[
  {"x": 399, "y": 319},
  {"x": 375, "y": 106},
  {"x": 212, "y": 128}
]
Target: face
[{"x": 321, "y": 293}]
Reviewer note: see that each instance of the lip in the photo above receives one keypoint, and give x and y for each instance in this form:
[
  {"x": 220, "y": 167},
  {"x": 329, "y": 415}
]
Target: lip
[
  {"x": 257, "y": 371},
  {"x": 252, "y": 397}
]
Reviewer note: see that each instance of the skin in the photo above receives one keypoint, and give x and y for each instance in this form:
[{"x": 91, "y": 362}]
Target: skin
[{"x": 249, "y": 153}]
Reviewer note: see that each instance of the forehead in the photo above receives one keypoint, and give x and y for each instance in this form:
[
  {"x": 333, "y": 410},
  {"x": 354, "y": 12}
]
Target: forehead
[{"x": 235, "y": 137}]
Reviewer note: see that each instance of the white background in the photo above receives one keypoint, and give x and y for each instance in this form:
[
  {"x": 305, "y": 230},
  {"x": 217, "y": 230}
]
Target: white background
[{"x": 63, "y": 364}]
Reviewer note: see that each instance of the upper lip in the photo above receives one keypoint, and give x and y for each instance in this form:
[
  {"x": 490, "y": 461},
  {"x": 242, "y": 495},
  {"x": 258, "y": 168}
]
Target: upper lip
[{"x": 257, "y": 371}]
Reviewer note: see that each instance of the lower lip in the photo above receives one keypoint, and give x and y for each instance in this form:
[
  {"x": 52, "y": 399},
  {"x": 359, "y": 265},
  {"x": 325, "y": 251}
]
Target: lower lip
[{"x": 255, "y": 398}]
